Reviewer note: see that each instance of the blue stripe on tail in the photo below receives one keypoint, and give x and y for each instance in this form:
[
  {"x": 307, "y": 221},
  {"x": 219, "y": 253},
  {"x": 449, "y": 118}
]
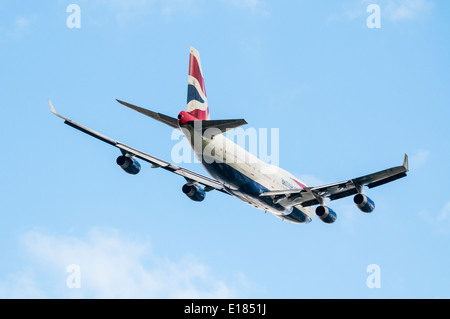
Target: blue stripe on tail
[{"x": 193, "y": 94}]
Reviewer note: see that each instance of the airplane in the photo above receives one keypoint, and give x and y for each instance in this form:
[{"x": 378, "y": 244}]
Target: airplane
[{"x": 277, "y": 192}]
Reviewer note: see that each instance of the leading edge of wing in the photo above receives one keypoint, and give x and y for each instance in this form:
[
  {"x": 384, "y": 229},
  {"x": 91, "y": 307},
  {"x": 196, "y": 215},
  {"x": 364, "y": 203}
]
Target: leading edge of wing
[{"x": 125, "y": 149}]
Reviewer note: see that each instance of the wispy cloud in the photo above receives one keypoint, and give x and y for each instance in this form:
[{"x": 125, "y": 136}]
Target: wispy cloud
[
  {"x": 444, "y": 215},
  {"x": 392, "y": 10},
  {"x": 311, "y": 180},
  {"x": 125, "y": 11},
  {"x": 253, "y": 6},
  {"x": 399, "y": 10},
  {"x": 18, "y": 28},
  {"x": 189, "y": 7},
  {"x": 112, "y": 266},
  {"x": 418, "y": 159},
  {"x": 21, "y": 23},
  {"x": 439, "y": 219}
]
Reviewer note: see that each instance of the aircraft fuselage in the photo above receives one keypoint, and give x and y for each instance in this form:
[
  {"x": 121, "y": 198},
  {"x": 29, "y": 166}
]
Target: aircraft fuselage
[{"x": 244, "y": 175}]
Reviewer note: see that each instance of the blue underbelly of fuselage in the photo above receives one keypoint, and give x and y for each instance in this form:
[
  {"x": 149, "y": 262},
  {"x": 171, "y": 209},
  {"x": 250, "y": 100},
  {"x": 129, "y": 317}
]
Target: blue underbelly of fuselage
[{"x": 243, "y": 186}]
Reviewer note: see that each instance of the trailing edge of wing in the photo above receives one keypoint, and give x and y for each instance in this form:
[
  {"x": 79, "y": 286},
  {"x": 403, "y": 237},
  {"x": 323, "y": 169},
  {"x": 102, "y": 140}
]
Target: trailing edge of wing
[
  {"x": 310, "y": 196},
  {"x": 281, "y": 192},
  {"x": 125, "y": 149}
]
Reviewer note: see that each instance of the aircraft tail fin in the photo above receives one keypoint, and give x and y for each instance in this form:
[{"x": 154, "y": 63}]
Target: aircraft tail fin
[{"x": 197, "y": 103}]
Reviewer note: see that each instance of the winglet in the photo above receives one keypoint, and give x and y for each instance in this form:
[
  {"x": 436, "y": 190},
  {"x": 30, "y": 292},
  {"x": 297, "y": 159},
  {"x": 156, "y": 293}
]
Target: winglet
[
  {"x": 51, "y": 107},
  {"x": 54, "y": 111},
  {"x": 405, "y": 162}
]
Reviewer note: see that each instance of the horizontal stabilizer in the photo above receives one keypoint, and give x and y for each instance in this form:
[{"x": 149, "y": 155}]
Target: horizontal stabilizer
[
  {"x": 218, "y": 125},
  {"x": 172, "y": 122}
]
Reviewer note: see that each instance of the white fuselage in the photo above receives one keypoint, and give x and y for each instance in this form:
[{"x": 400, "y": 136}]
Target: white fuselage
[{"x": 246, "y": 176}]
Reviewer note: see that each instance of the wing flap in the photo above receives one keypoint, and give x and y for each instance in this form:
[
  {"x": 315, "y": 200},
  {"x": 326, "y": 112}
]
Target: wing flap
[
  {"x": 348, "y": 192},
  {"x": 312, "y": 196},
  {"x": 386, "y": 180},
  {"x": 280, "y": 192}
]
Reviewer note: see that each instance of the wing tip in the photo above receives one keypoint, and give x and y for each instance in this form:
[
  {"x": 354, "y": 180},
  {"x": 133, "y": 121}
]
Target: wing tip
[
  {"x": 125, "y": 103},
  {"x": 405, "y": 162},
  {"x": 52, "y": 108}
]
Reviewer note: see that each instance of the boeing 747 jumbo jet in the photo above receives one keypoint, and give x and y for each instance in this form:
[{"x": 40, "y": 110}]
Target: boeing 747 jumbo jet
[{"x": 234, "y": 170}]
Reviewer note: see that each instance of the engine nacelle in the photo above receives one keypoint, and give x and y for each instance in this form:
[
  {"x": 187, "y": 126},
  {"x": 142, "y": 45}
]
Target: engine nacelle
[
  {"x": 129, "y": 164},
  {"x": 326, "y": 214},
  {"x": 364, "y": 203},
  {"x": 194, "y": 192}
]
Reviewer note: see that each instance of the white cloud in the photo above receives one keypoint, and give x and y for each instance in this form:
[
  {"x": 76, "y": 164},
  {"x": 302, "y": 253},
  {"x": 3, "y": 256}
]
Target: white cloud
[
  {"x": 20, "y": 285},
  {"x": 112, "y": 266}
]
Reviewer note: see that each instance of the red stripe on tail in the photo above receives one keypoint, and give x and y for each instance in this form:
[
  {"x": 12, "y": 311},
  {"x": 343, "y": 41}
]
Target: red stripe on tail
[
  {"x": 194, "y": 70},
  {"x": 199, "y": 114}
]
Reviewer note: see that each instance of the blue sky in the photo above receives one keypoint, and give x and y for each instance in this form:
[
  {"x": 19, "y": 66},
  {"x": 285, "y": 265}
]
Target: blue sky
[{"x": 347, "y": 100}]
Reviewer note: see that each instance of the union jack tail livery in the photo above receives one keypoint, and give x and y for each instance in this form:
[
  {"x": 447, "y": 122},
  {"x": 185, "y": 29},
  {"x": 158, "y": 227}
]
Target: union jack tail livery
[{"x": 197, "y": 103}]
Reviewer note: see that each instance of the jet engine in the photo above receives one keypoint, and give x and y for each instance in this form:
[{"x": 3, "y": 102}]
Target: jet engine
[
  {"x": 129, "y": 164},
  {"x": 325, "y": 214},
  {"x": 364, "y": 203},
  {"x": 194, "y": 192}
]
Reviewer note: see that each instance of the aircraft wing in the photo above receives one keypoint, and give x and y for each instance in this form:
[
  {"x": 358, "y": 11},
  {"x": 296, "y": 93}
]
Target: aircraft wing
[
  {"x": 209, "y": 183},
  {"x": 311, "y": 196}
]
